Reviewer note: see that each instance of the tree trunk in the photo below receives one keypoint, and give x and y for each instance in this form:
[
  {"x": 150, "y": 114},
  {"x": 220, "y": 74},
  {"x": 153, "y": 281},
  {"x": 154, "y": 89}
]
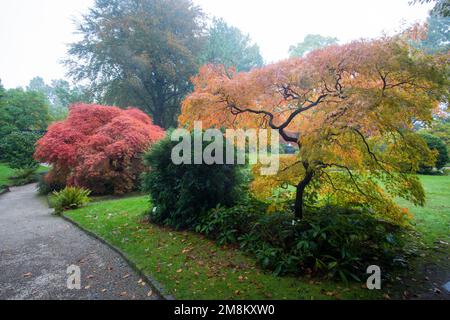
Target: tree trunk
[
  {"x": 298, "y": 208},
  {"x": 158, "y": 118}
]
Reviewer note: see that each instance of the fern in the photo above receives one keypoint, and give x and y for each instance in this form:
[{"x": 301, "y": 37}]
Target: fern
[{"x": 71, "y": 198}]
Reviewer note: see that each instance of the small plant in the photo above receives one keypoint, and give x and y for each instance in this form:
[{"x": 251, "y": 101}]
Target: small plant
[
  {"x": 70, "y": 198},
  {"x": 23, "y": 177},
  {"x": 226, "y": 225}
]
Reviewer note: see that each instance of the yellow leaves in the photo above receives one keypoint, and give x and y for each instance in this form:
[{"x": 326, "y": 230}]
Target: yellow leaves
[
  {"x": 359, "y": 190},
  {"x": 393, "y": 213},
  {"x": 380, "y": 76},
  {"x": 272, "y": 208},
  {"x": 338, "y": 186},
  {"x": 290, "y": 173},
  {"x": 357, "y": 138}
]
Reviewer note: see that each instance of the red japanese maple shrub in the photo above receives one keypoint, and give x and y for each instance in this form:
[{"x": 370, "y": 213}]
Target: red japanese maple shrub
[{"x": 98, "y": 147}]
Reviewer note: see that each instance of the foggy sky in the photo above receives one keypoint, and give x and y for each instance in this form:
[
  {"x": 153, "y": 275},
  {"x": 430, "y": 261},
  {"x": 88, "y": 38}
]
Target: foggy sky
[{"x": 34, "y": 33}]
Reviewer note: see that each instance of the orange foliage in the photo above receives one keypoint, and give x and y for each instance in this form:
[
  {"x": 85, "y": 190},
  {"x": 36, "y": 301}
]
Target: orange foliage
[{"x": 353, "y": 106}]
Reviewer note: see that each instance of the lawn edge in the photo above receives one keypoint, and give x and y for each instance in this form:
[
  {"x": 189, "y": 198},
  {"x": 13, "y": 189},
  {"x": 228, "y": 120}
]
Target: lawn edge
[
  {"x": 154, "y": 284},
  {"x": 4, "y": 190}
]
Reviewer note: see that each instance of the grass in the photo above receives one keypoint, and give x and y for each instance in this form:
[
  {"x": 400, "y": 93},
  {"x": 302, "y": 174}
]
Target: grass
[
  {"x": 6, "y": 173},
  {"x": 192, "y": 267},
  {"x": 433, "y": 220},
  {"x": 430, "y": 266}
]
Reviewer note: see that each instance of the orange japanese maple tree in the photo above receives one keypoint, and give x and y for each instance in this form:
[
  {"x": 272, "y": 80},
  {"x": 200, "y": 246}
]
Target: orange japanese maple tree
[
  {"x": 350, "y": 109},
  {"x": 98, "y": 147}
]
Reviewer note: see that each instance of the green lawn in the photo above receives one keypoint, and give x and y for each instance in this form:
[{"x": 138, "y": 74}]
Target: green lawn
[
  {"x": 429, "y": 268},
  {"x": 192, "y": 267},
  {"x": 433, "y": 220},
  {"x": 6, "y": 172}
]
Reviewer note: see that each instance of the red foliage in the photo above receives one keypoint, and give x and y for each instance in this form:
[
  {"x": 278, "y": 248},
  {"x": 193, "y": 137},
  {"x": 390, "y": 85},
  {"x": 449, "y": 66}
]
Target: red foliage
[{"x": 98, "y": 147}]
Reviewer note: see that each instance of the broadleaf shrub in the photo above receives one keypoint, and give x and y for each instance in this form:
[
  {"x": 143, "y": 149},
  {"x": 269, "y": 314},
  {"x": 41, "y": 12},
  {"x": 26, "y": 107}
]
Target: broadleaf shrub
[
  {"x": 24, "y": 176},
  {"x": 333, "y": 242},
  {"x": 17, "y": 150},
  {"x": 99, "y": 148},
  {"x": 70, "y": 198},
  {"x": 182, "y": 194},
  {"x": 226, "y": 225},
  {"x": 437, "y": 145}
]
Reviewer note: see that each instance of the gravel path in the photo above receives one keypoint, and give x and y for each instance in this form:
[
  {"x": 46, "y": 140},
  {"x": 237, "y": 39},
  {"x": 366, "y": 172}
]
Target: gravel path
[{"x": 36, "y": 249}]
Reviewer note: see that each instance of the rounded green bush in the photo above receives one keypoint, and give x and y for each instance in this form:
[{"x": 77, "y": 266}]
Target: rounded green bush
[
  {"x": 182, "y": 194},
  {"x": 17, "y": 150},
  {"x": 435, "y": 143}
]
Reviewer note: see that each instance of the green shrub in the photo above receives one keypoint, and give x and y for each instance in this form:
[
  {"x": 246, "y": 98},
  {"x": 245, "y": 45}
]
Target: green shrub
[
  {"x": 330, "y": 241},
  {"x": 70, "y": 198},
  {"x": 226, "y": 225},
  {"x": 17, "y": 150},
  {"x": 46, "y": 186},
  {"x": 435, "y": 143},
  {"x": 23, "y": 177},
  {"x": 183, "y": 193}
]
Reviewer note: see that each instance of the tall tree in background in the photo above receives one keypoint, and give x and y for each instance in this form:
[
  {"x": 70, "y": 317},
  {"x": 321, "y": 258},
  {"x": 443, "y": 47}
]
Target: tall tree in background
[
  {"x": 438, "y": 146},
  {"x": 65, "y": 94},
  {"x": 436, "y": 38},
  {"x": 139, "y": 53},
  {"x": 310, "y": 43},
  {"x": 441, "y": 128},
  {"x": 60, "y": 95},
  {"x": 228, "y": 46},
  {"x": 38, "y": 84},
  {"x": 441, "y": 8},
  {"x": 23, "y": 111},
  {"x": 23, "y": 115},
  {"x": 2, "y": 93},
  {"x": 438, "y": 35}
]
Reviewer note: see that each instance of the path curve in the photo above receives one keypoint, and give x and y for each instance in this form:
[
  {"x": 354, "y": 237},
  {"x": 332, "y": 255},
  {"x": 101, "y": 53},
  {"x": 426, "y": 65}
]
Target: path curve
[{"x": 36, "y": 248}]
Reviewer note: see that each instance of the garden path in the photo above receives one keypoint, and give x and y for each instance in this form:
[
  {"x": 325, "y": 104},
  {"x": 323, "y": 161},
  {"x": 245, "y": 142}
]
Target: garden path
[{"x": 36, "y": 248}]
